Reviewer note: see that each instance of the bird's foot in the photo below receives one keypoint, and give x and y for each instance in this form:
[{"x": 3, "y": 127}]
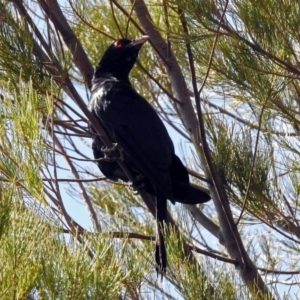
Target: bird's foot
[
  {"x": 138, "y": 184},
  {"x": 113, "y": 153}
]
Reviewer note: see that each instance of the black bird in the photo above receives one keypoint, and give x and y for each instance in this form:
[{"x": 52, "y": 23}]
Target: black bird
[{"x": 131, "y": 122}]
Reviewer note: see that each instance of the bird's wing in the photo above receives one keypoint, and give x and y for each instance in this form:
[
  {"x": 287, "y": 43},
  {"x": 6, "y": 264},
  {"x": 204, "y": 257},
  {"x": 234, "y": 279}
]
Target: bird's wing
[
  {"x": 133, "y": 123},
  {"x": 111, "y": 170}
]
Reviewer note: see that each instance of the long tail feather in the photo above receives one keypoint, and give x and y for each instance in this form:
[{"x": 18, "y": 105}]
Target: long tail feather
[{"x": 160, "y": 250}]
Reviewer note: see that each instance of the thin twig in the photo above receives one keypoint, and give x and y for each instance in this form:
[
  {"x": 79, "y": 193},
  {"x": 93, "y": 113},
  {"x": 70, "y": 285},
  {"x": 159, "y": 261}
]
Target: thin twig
[
  {"x": 82, "y": 189},
  {"x": 72, "y": 180},
  {"x": 253, "y": 162}
]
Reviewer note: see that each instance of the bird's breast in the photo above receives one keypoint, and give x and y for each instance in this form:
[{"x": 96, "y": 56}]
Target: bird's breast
[{"x": 99, "y": 99}]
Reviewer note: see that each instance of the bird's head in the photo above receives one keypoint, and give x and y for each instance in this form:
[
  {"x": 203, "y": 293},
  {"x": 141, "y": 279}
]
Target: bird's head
[{"x": 120, "y": 57}]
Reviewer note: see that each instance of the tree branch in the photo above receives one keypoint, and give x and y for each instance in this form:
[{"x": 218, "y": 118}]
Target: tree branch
[{"x": 53, "y": 11}]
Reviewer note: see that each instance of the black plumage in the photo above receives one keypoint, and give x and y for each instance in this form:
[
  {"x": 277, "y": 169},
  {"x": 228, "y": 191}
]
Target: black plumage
[
  {"x": 182, "y": 191},
  {"x": 131, "y": 122}
]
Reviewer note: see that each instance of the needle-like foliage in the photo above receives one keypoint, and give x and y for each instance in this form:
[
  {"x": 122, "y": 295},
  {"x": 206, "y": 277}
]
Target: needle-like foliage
[{"x": 224, "y": 75}]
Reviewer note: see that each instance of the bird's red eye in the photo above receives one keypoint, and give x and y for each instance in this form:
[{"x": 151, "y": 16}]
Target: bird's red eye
[{"x": 118, "y": 44}]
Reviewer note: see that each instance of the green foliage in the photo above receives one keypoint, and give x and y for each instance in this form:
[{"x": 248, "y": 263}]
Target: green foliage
[
  {"x": 41, "y": 260},
  {"x": 22, "y": 142},
  {"x": 19, "y": 54},
  {"x": 250, "y": 106},
  {"x": 196, "y": 281},
  {"x": 233, "y": 154}
]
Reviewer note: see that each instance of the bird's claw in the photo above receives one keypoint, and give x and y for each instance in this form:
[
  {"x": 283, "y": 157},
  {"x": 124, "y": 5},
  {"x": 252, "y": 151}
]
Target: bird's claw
[
  {"x": 106, "y": 150},
  {"x": 113, "y": 153},
  {"x": 137, "y": 184}
]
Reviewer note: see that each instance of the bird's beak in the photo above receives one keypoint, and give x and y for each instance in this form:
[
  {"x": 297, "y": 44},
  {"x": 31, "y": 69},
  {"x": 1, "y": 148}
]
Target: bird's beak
[{"x": 139, "y": 41}]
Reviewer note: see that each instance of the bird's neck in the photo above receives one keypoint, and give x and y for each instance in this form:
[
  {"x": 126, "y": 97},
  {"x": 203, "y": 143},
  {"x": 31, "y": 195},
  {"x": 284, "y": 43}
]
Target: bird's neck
[{"x": 103, "y": 74}]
